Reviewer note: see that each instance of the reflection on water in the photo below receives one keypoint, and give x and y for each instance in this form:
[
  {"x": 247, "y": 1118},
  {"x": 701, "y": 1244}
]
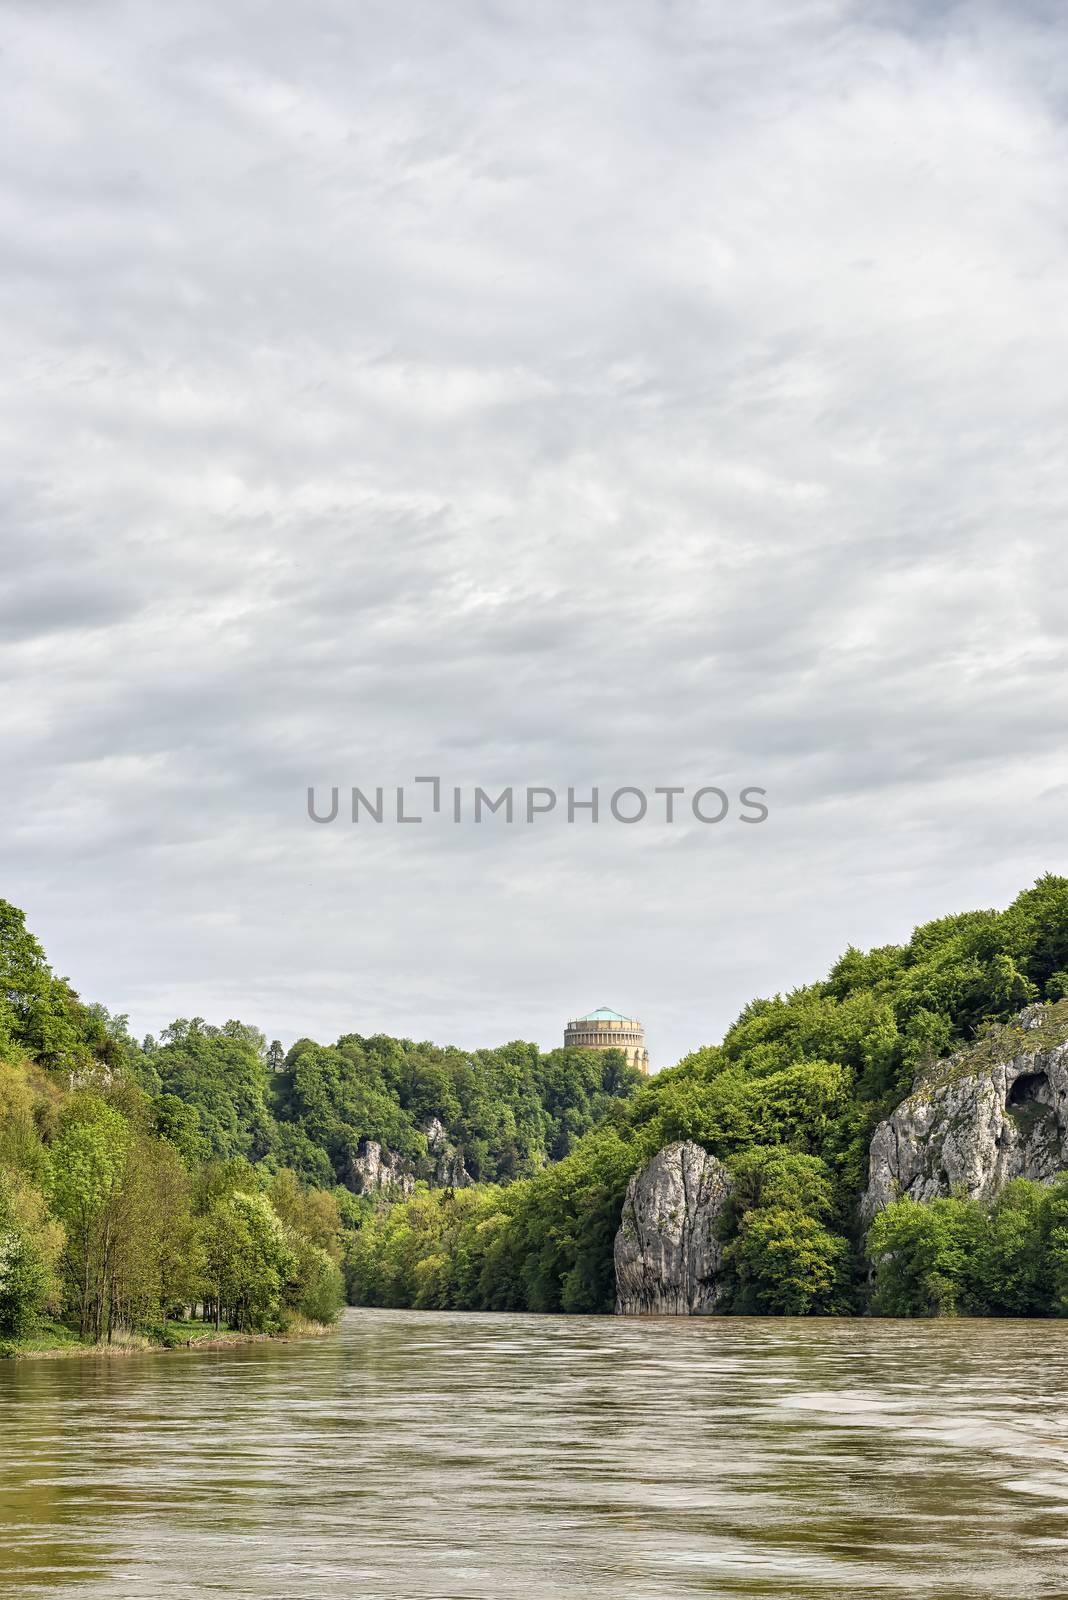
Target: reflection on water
[{"x": 478, "y": 1457}]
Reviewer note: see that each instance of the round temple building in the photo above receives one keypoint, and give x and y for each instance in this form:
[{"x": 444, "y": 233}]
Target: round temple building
[{"x": 609, "y": 1030}]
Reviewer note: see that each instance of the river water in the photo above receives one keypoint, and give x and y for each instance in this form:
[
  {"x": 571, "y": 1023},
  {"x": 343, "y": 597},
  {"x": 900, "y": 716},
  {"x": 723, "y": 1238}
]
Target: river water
[{"x": 430, "y": 1456}]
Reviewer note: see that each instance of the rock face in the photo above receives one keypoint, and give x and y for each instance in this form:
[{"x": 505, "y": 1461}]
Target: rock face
[
  {"x": 373, "y": 1170},
  {"x": 995, "y": 1111},
  {"x": 667, "y": 1256},
  {"x": 98, "y": 1077},
  {"x": 448, "y": 1170}
]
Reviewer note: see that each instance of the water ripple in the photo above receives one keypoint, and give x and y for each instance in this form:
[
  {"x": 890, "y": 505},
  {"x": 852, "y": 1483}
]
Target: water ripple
[{"x": 441, "y": 1457}]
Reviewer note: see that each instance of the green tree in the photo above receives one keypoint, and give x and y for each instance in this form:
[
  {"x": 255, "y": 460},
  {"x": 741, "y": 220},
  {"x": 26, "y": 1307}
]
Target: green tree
[
  {"x": 787, "y": 1263},
  {"x": 30, "y": 1245},
  {"x": 780, "y": 1257},
  {"x": 222, "y": 1074},
  {"x": 1010, "y": 1277},
  {"x": 249, "y": 1261},
  {"x": 924, "y": 1257},
  {"x": 89, "y": 1161},
  {"x": 1055, "y": 1247},
  {"x": 317, "y": 1288},
  {"x": 39, "y": 1012},
  {"x": 179, "y": 1123}
]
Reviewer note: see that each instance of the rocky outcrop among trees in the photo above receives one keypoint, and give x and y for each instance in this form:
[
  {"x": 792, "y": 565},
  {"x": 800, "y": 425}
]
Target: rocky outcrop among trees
[
  {"x": 374, "y": 1170},
  {"x": 667, "y": 1253},
  {"x": 446, "y": 1159},
  {"x": 994, "y": 1111},
  {"x": 963, "y": 1030},
  {"x": 976, "y": 1121}
]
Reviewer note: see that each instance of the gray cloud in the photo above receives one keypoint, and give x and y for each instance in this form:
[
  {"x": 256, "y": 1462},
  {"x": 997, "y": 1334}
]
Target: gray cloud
[{"x": 635, "y": 394}]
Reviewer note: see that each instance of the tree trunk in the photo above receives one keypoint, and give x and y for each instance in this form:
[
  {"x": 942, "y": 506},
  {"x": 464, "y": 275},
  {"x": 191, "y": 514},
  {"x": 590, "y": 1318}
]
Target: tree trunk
[
  {"x": 83, "y": 1326},
  {"x": 104, "y": 1284}
]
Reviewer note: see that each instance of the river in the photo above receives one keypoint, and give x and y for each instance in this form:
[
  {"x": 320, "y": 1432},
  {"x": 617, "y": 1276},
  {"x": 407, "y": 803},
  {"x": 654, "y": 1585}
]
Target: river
[{"x": 430, "y": 1456}]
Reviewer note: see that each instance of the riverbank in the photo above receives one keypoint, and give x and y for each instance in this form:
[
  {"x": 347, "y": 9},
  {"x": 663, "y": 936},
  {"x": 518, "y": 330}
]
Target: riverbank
[{"x": 55, "y": 1342}]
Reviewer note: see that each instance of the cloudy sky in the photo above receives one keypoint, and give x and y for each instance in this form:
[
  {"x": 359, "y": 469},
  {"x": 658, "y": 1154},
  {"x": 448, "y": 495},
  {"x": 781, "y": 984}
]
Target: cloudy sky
[{"x": 624, "y": 393}]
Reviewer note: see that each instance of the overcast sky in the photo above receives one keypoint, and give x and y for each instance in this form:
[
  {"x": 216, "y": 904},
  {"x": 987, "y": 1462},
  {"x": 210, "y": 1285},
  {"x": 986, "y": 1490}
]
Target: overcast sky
[{"x": 617, "y": 393}]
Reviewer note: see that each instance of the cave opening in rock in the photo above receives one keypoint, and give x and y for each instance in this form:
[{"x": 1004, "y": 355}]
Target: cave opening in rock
[{"x": 1025, "y": 1090}]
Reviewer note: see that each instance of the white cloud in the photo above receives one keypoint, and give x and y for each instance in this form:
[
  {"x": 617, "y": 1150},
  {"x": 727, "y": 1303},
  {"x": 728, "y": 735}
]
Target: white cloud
[{"x": 642, "y": 394}]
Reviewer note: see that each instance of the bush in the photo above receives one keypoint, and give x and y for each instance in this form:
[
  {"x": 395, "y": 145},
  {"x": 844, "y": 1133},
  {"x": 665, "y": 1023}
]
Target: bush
[{"x": 30, "y": 1243}]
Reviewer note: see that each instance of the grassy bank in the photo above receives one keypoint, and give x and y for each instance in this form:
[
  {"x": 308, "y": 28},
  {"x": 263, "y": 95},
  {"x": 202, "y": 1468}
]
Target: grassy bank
[{"x": 55, "y": 1341}]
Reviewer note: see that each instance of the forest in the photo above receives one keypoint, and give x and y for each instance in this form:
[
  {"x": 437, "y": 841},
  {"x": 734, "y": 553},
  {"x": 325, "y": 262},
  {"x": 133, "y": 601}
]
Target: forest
[
  {"x": 205, "y": 1177},
  {"x": 789, "y": 1100}
]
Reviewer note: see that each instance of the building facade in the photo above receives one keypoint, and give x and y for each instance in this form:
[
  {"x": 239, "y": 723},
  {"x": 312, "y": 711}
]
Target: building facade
[{"x": 609, "y": 1030}]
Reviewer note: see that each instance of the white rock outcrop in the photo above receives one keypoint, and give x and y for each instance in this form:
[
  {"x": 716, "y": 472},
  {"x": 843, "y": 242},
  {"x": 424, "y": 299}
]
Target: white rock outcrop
[
  {"x": 667, "y": 1254},
  {"x": 446, "y": 1159},
  {"x": 995, "y": 1111},
  {"x": 373, "y": 1170}
]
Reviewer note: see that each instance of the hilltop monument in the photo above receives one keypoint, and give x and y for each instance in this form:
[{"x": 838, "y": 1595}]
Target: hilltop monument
[{"x": 605, "y": 1029}]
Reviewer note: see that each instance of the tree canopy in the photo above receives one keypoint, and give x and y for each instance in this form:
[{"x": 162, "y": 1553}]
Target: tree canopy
[
  {"x": 789, "y": 1100},
  {"x": 207, "y": 1167}
]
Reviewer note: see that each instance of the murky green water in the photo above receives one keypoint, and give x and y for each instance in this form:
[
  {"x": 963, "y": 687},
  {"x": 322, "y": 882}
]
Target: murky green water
[{"x": 482, "y": 1457}]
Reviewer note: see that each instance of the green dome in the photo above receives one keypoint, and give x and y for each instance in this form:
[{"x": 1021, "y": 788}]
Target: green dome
[{"x": 604, "y": 1014}]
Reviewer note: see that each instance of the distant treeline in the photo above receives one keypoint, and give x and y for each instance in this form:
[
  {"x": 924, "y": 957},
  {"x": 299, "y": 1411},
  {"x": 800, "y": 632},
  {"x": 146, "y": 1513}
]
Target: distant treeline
[
  {"x": 206, "y": 1174},
  {"x": 207, "y": 1171}
]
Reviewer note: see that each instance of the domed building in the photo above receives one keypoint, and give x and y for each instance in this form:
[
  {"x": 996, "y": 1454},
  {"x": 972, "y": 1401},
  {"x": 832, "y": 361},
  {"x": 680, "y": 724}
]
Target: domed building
[{"x": 609, "y": 1030}]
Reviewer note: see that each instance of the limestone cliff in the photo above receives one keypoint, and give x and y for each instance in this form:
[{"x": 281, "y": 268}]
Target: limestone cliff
[
  {"x": 667, "y": 1255},
  {"x": 446, "y": 1160},
  {"x": 373, "y": 1170},
  {"x": 996, "y": 1110}
]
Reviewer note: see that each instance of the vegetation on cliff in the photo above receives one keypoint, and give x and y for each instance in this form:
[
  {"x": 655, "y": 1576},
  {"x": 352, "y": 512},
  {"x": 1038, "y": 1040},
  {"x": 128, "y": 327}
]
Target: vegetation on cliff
[
  {"x": 788, "y": 1100},
  {"x": 207, "y": 1171}
]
